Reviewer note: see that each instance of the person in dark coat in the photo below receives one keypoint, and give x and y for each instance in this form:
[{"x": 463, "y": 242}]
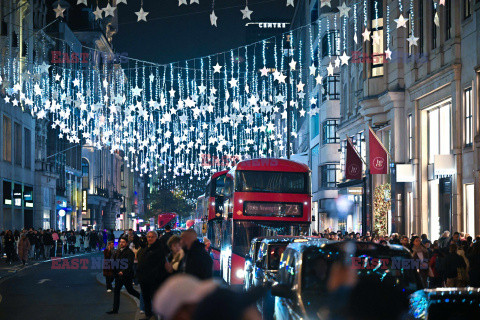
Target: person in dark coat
[
  {"x": 474, "y": 260},
  {"x": 197, "y": 261},
  {"x": 151, "y": 271},
  {"x": 108, "y": 271},
  {"x": 165, "y": 237},
  {"x": 123, "y": 273},
  {"x": 47, "y": 243},
  {"x": 9, "y": 241},
  {"x": 452, "y": 263}
]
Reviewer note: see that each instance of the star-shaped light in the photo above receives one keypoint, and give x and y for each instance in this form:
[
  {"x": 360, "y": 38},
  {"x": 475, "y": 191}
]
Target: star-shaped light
[
  {"x": 213, "y": 19},
  {"x": 194, "y": 1},
  {"x": 343, "y": 10},
  {"x": 401, "y": 21},
  {"x": 281, "y": 78},
  {"x": 233, "y": 83},
  {"x": 141, "y": 15},
  {"x": 264, "y": 71},
  {"x": 300, "y": 86},
  {"x": 82, "y": 2},
  {"x": 290, "y": 3},
  {"x": 344, "y": 58},
  {"x": 325, "y": 3},
  {"x": 293, "y": 64},
  {"x": 98, "y": 13},
  {"x": 313, "y": 69},
  {"x": 119, "y": 1},
  {"x": 109, "y": 10},
  {"x": 246, "y": 13},
  {"x": 217, "y": 68},
  {"x": 44, "y": 67},
  {"x": 318, "y": 79},
  {"x": 388, "y": 54},
  {"x": 337, "y": 62},
  {"x": 136, "y": 91},
  {"x": 76, "y": 83},
  {"x": 330, "y": 69},
  {"x": 180, "y": 2},
  {"x": 59, "y": 11},
  {"x": 412, "y": 40},
  {"x": 366, "y": 35}
]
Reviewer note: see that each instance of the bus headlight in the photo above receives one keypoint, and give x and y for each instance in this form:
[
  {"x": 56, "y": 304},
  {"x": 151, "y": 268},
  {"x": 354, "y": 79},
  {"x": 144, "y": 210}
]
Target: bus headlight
[{"x": 240, "y": 273}]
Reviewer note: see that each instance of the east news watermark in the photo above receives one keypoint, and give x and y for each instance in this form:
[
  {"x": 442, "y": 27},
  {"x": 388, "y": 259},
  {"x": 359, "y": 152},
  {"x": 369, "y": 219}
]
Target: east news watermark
[
  {"x": 89, "y": 264},
  {"x": 360, "y": 263}
]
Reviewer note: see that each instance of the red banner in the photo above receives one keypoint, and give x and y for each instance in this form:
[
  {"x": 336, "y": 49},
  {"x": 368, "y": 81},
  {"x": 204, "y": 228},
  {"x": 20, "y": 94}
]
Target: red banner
[
  {"x": 353, "y": 165},
  {"x": 378, "y": 155}
]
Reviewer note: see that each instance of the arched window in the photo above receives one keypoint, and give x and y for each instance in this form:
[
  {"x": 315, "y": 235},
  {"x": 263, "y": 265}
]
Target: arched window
[{"x": 85, "y": 173}]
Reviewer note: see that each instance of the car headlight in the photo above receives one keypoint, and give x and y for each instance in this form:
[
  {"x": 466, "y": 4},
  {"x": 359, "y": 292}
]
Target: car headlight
[{"x": 240, "y": 273}]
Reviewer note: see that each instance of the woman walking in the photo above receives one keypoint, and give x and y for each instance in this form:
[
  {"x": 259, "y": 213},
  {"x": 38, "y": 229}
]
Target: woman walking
[
  {"x": 9, "y": 241},
  {"x": 23, "y": 248}
]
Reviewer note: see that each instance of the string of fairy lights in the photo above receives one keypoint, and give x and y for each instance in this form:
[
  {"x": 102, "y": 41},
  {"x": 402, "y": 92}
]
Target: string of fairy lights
[{"x": 188, "y": 118}]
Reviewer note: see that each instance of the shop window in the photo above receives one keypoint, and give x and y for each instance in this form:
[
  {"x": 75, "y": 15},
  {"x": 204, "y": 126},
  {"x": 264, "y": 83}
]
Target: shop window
[
  {"x": 331, "y": 88},
  {"x": 7, "y": 139},
  {"x": 28, "y": 149},
  {"x": 410, "y": 129},
  {"x": 18, "y": 143},
  {"x": 468, "y": 117},
  {"x": 439, "y": 136},
  {"x": 378, "y": 48},
  {"x": 330, "y": 134},
  {"x": 467, "y": 9},
  {"x": 331, "y": 44},
  {"x": 329, "y": 174}
]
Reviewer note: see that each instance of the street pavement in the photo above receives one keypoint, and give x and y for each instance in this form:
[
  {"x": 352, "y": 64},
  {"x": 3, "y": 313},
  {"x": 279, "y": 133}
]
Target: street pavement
[{"x": 40, "y": 292}]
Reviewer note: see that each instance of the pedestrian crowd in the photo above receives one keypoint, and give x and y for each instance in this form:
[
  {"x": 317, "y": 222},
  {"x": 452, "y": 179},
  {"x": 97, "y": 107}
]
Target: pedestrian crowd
[
  {"x": 42, "y": 244},
  {"x": 453, "y": 259},
  {"x": 174, "y": 273}
]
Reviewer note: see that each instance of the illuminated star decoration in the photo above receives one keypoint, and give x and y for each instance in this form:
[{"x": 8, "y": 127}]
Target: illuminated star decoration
[
  {"x": 109, "y": 10},
  {"x": 119, "y": 1},
  {"x": 180, "y": 2},
  {"x": 366, "y": 35},
  {"x": 59, "y": 11},
  {"x": 217, "y": 68},
  {"x": 330, "y": 69},
  {"x": 318, "y": 79},
  {"x": 82, "y": 2},
  {"x": 325, "y": 3},
  {"x": 213, "y": 19},
  {"x": 412, "y": 40},
  {"x": 290, "y": 3},
  {"x": 293, "y": 64},
  {"x": 388, "y": 54},
  {"x": 344, "y": 58},
  {"x": 194, "y": 1},
  {"x": 401, "y": 22},
  {"x": 264, "y": 71},
  {"x": 98, "y": 13},
  {"x": 142, "y": 15},
  {"x": 246, "y": 13},
  {"x": 343, "y": 10}
]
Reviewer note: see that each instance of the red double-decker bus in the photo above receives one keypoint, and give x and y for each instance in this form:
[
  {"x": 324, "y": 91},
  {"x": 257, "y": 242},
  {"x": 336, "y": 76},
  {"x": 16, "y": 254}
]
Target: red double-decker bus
[
  {"x": 260, "y": 197},
  {"x": 213, "y": 203}
]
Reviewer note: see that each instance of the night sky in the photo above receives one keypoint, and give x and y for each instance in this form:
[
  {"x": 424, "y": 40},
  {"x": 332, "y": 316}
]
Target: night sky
[{"x": 174, "y": 33}]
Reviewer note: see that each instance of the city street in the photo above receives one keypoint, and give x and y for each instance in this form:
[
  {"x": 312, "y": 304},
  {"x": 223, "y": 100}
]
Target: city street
[{"x": 42, "y": 293}]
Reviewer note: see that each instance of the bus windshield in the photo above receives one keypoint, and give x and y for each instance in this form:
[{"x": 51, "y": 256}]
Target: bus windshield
[
  {"x": 245, "y": 231},
  {"x": 268, "y": 181}
]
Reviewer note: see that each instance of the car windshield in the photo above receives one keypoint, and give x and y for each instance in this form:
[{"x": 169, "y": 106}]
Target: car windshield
[
  {"x": 274, "y": 254},
  {"x": 317, "y": 263},
  {"x": 266, "y": 181}
]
